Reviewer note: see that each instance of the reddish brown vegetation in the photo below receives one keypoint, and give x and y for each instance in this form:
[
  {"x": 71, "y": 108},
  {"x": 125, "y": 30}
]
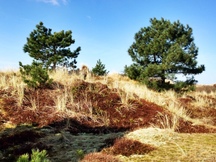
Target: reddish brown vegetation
[
  {"x": 107, "y": 101},
  {"x": 189, "y": 127},
  {"x": 44, "y": 113},
  {"x": 106, "y": 105},
  {"x": 201, "y": 111},
  {"x": 99, "y": 157},
  {"x": 127, "y": 147},
  {"x": 104, "y": 101}
]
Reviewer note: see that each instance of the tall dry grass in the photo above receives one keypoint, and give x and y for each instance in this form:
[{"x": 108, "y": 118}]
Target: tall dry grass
[
  {"x": 129, "y": 89},
  {"x": 64, "y": 100},
  {"x": 12, "y": 81},
  {"x": 126, "y": 88},
  {"x": 168, "y": 99},
  {"x": 203, "y": 99},
  {"x": 133, "y": 89}
]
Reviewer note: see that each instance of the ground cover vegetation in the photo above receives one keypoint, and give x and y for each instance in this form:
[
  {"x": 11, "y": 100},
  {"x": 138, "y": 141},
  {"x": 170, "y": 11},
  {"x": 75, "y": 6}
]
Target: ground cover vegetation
[
  {"x": 51, "y": 114},
  {"x": 94, "y": 118}
]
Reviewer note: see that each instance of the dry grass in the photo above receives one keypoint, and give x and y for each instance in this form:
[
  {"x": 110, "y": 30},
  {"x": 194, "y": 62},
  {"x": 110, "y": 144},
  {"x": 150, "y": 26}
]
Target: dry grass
[
  {"x": 166, "y": 122},
  {"x": 99, "y": 157},
  {"x": 167, "y": 99},
  {"x": 126, "y": 88},
  {"x": 12, "y": 80},
  {"x": 61, "y": 102},
  {"x": 127, "y": 147},
  {"x": 129, "y": 89},
  {"x": 152, "y": 136},
  {"x": 204, "y": 99},
  {"x": 171, "y": 146},
  {"x": 9, "y": 79},
  {"x": 35, "y": 103}
]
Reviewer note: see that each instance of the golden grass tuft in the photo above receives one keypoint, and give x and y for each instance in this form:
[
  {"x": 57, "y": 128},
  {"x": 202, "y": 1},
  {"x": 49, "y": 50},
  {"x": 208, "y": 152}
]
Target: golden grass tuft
[{"x": 12, "y": 80}]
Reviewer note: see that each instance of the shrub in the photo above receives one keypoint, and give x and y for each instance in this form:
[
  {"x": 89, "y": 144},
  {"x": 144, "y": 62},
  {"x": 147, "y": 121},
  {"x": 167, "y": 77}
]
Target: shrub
[
  {"x": 99, "y": 69},
  {"x": 181, "y": 86},
  {"x": 157, "y": 85},
  {"x": 35, "y": 76}
]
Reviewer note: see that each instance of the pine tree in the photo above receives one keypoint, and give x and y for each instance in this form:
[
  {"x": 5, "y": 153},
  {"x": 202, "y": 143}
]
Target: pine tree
[
  {"x": 99, "y": 69},
  {"x": 162, "y": 50},
  {"x": 51, "y": 49}
]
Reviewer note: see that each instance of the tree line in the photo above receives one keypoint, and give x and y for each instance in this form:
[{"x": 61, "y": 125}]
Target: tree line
[{"x": 159, "y": 52}]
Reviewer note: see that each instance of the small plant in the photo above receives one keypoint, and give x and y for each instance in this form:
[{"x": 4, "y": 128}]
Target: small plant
[
  {"x": 35, "y": 75},
  {"x": 80, "y": 154},
  {"x": 23, "y": 158},
  {"x": 99, "y": 69},
  {"x": 36, "y": 156}
]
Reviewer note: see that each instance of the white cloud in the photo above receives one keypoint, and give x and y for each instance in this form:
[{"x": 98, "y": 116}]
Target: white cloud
[
  {"x": 89, "y": 18},
  {"x": 54, "y": 2},
  {"x": 64, "y": 2}
]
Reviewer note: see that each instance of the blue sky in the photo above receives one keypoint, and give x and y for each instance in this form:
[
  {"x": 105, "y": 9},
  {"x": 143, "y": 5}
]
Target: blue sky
[{"x": 105, "y": 29}]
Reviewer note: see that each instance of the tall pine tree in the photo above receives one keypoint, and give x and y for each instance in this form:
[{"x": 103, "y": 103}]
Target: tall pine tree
[
  {"x": 51, "y": 49},
  {"x": 162, "y": 50}
]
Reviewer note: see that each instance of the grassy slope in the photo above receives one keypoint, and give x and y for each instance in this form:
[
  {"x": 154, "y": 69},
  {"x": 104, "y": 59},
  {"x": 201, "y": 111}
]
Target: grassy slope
[{"x": 196, "y": 107}]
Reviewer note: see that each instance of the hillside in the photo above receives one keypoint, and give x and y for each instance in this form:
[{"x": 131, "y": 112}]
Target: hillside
[{"x": 109, "y": 118}]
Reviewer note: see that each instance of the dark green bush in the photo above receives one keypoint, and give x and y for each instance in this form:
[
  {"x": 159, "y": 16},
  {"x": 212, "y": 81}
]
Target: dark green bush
[
  {"x": 179, "y": 86},
  {"x": 35, "y": 75},
  {"x": 99, "y": 69}
]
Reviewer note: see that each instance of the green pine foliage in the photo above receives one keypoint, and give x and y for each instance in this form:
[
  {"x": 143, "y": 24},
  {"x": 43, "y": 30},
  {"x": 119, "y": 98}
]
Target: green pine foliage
[
  {"x": 35, "y": 75},
  {"x": 163, "y": 50},
  {"x": 36, "y": 156},
  {"x": 51, "y": 49},
  {"x": 99, "y": 69},
  {"x": 23, "y": 158}
]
